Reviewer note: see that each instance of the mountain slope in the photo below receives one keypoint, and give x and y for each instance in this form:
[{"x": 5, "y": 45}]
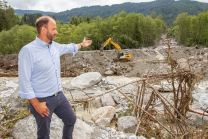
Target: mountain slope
[
  {"x": 168, "y": 8},
  {"x": 22, "y": 12}
]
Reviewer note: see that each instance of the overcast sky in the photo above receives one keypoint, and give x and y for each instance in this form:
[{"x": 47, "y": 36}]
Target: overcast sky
[{"x": 63, "y": 5}]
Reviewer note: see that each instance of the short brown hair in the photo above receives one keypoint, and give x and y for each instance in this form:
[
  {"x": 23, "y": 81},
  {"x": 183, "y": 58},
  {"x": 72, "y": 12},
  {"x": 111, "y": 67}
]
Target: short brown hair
[{"x": 42, "y": 21}]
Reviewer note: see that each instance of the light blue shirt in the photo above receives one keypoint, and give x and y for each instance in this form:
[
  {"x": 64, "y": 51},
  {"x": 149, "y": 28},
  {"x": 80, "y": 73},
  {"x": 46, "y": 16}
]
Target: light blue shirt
[{"x": 39, "y": 68}]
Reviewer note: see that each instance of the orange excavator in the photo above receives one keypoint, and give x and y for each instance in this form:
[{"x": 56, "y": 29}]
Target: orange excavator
[{"x": 121, "y": 56}]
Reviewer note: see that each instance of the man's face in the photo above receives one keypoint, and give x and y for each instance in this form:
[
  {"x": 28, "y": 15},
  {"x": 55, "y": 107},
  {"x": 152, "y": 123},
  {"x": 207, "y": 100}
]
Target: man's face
[{"x": 51, "y": 31}]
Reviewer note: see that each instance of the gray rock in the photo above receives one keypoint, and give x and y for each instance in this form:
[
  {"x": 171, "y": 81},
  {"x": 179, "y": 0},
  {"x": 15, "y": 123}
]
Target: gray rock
[
  {"x": 133, "y": 137},
  {"x": 14, "y": 101},
  {"x": 103, "y": 116},
  {"x": 200, "y": 90},
  {"x": 203, "y": 101},
  {"x": 141, "y": 137},
  {"x": 127, "y": 124},
  {"x": 119, "y": 110},
  {"x": 116, "y": 97},
  {"x": 109, "y": 72},
  {"x": 196, "y": 119},
  {"x": 11, "y": 84},
  {"x": 97, "y": 102},
  {"x": 107, "y": 100},
  {"x": 183, "y": 63},
  {"x": 109, "y": 87},
  {"x": 82, "y": 130},
  {"x": 27, "y": 129},
  {"x": 108, "y": 80},
  {"x": 197, "y": 96},
  {"x": 86, "y": 80}
]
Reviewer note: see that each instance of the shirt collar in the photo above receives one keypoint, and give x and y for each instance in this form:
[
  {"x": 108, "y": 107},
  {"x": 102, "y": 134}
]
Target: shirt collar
[{"x": 42, "y": 43}]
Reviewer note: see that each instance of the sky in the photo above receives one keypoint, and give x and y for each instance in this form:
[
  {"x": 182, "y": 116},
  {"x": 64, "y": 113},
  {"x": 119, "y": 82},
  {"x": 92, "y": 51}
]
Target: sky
[{"x": 63, "y": 5}]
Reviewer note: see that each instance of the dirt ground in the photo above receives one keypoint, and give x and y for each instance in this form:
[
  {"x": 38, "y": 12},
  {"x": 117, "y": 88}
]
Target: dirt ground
[{"x": 144, "y": 61}]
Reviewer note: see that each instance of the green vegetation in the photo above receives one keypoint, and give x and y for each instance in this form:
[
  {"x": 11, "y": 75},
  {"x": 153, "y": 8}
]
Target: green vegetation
[
  {"x": 169, "y": 9},
  {"x": 13, "y": 40},
  {"x": 129, "y": 30},
  {"x": 191, "y": 30},
  {"x": 7, "y": 16}
]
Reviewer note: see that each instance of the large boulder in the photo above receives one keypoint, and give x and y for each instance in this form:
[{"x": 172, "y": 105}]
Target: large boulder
[
  {"x": 27, "y": 129},
  {"x": 82, "y": 130},
  {"x": 103, "y": 116},
  {"x": 86, "y": 80},
  {"x": 11, "y": 97},
  {"x": 127, "y": 124}
]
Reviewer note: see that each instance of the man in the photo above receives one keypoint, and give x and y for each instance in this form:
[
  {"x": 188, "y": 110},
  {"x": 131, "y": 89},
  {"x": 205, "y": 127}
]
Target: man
[{"x": 39, "y": 78}]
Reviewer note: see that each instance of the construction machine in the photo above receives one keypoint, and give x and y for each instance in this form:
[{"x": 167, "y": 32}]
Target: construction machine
[{"x": 121, "y": 56}]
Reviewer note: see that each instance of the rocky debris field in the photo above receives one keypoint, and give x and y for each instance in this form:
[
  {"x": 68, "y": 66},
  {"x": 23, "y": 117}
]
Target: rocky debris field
[{"x": 106, "y": 116}]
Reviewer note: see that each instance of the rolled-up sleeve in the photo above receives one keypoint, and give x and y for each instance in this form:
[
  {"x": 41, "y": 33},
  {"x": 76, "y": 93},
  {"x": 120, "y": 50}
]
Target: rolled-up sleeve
[
  {"x": 67, "y": 48},
  {"x": 24, "y": 74}
]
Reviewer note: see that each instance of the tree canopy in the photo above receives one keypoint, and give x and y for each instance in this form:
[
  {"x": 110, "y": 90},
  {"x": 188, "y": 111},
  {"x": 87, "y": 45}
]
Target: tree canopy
[
  {"x": 128, "y": 30},
  {"x": 7, "y": 16},
  {"x": 191, "y": 30}
]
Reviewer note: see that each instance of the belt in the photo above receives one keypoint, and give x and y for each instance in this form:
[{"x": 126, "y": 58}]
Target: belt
[{"x": 56, "y": 94}]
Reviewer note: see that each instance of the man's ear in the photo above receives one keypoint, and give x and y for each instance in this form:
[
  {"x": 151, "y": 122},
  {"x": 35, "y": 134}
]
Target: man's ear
[{"x": 43, "y": 30}]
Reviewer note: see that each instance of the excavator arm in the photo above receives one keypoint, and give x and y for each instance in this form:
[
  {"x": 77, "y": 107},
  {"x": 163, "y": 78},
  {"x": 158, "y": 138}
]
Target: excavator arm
[
  {"x": 105, "y": 43},
  {"x": 112, "y": 42}
]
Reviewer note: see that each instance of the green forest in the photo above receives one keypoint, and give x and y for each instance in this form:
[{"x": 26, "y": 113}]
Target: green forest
[
  {"x": 168, "y": 8},
  {"x": 129, "y": 30}
]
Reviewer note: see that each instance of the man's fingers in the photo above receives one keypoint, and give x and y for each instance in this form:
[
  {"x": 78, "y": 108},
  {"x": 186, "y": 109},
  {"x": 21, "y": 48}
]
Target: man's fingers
[
  {"x": 47, "y": 110},
  {"x": 46, "y": 113},
  {"x": 84, "y": 39},
  {"x": 42, "y": 115}
]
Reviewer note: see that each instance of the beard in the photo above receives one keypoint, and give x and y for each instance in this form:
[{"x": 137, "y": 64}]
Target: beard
[{"x": 50, "y": 36}]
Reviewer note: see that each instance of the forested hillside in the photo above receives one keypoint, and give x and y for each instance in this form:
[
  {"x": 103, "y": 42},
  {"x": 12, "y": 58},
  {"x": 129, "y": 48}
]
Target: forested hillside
[
  {"x": 128, "y": 30},
  {"x": 168, "y": 8},
  {"x": 22, "y": 12}
]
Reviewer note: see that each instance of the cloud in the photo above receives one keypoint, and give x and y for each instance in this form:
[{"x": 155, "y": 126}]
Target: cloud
[{"x": 63, "y": 5}]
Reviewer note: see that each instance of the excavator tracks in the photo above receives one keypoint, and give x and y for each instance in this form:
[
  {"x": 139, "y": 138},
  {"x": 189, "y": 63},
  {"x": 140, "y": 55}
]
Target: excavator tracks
[{"x": 120, "y": 60}]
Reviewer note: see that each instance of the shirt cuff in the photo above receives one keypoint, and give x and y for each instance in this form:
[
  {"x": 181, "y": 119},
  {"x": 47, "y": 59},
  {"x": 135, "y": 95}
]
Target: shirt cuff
[
  {"x": 76, "y": 48},
  {"x": 27, "y": 95}
]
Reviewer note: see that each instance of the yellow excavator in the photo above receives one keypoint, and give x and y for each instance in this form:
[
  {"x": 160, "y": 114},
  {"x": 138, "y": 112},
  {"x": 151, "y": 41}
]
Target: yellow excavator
[{"x": 121, "y": 56}]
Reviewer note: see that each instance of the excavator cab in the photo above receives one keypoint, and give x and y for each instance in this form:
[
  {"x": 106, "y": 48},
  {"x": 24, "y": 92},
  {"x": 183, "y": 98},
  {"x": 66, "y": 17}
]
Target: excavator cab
[{"x": 121, "y": 56}]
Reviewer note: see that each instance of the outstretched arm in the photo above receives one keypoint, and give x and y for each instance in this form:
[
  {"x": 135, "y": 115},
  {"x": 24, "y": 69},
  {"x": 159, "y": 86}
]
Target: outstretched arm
[{"x": 85, "y": 43}]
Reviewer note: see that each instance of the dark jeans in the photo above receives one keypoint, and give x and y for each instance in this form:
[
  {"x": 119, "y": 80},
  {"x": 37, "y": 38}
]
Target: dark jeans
[{"x": 62, "y": 108}]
